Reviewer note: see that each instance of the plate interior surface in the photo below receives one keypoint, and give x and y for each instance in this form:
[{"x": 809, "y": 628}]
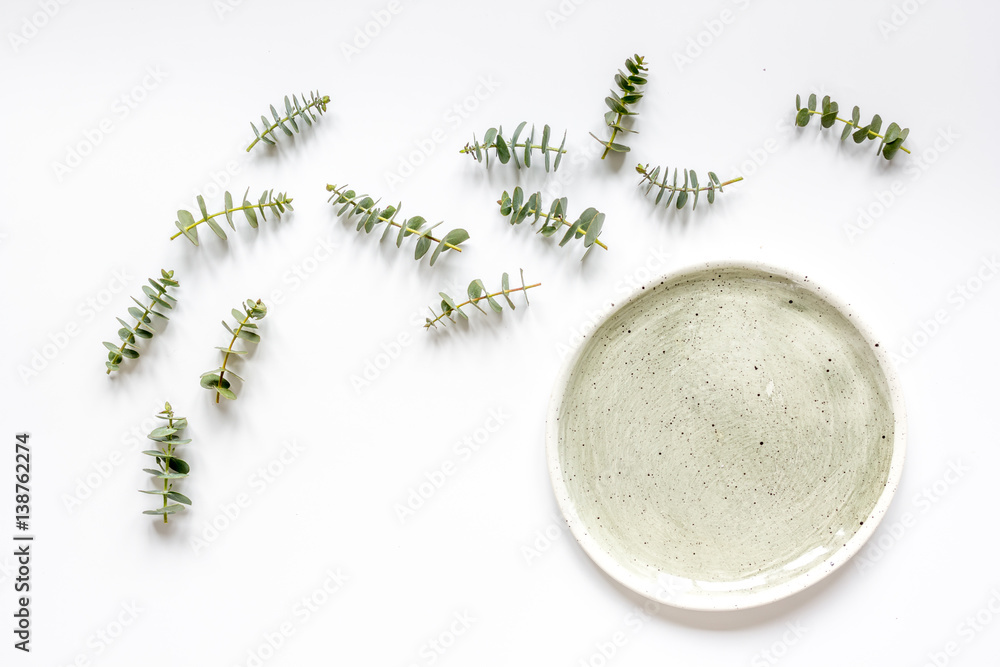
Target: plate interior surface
[{"x": 725, "y": 438}]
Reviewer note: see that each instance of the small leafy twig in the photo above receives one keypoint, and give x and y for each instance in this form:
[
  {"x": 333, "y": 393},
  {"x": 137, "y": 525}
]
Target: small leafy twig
[
  {"x": 505, "y": 150},
  {"x": 477, "y": 292},
  {"x": 170, "y": 466},
  {"x": 588, "y": 225},
  {"x": 371, "y": 216},
  {"x": 216, "y": 379},
  {"x": 143, "y": 327},
  {"x": 892, "y": 141},
  {"x": 292, "y": 110},
  {"x": 689, "y": 187},
  {"x": 188, "y": 226},
  {"x": 628, "y": 84}
]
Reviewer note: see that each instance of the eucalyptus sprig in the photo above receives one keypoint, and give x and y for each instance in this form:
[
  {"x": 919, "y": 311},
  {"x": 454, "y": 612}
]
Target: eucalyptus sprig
[
  {"x": 588, "y": 225},
  {"x": 688, "y": 189},
  {"x": 156, "y": 292},
  {"x": 372, "y": 216},
  {"x": 892, "y": 140},
  {"x": 293, "y": 110},
  {"x": 477, "y": 292},
  {"x": 171, "y": 467},
  {"x": 188, "y": 226},
  {"x": 619, "y": 105},
  {"x": 505, "y": 150},
  {"x": 245, "y": 329}
]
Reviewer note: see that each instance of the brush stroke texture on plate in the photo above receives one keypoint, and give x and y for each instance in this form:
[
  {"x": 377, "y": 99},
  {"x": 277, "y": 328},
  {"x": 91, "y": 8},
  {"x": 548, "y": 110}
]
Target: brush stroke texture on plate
[{"x": 725, "y": 438}]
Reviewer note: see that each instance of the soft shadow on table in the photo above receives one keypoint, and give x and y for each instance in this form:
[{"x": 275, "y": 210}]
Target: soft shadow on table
[{"x": 730, "y": 620}]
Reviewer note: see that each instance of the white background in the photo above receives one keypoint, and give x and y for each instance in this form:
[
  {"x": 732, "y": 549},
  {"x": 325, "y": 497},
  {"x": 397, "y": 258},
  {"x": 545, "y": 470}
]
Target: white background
[{"x": 478, "y": 544}]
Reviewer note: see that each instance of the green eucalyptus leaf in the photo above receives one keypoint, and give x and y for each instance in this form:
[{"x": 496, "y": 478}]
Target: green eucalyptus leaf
[
  {"x": 169, "y": 509},
  {"x": 503, "y": 151},
  {"x": 559, "y": 154},
  {"x": 226, "y": 392},
  {"x": 216, "y": 228},
  {"x": 229, "y": 209},
  {"x": 248, "y": 336},
  {"x": 179, "y": 497},
  {"x": 423, "y": 245}
]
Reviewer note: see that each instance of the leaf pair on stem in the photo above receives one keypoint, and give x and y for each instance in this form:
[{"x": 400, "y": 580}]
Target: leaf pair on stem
[
  {"x": 243, "y": 329},
  {"x": 170, "y": 467},
  {"x": 371, "y": 216}
]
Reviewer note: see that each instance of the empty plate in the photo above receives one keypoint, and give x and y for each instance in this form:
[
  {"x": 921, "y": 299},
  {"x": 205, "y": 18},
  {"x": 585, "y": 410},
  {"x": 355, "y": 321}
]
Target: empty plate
[{"x": 726, "y": 437}]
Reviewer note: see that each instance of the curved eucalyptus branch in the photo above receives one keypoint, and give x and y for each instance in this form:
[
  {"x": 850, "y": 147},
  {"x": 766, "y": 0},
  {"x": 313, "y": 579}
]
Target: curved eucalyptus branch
[
  {"x": 477, "y": 292},
  {"x": 188, "y": 226},
  {"x": 371, "y": 216},
  {"x": 619, "y": 105},
  {"x": 293, "y": 110},
  {"x": 143, "y": 325},
  {"x": 505, "y": 150},
  {"x": 892, "y": 140},
  {"x": 688, "y": 188},
  {"x": 588, "y": 225},
  {"x": 246, "y": 330},
  {"x": 171, "y": 467}
]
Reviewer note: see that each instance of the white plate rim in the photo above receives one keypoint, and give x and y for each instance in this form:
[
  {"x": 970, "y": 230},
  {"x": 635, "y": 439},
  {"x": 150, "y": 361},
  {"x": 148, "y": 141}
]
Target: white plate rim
[{"x": 726, "y": 601}]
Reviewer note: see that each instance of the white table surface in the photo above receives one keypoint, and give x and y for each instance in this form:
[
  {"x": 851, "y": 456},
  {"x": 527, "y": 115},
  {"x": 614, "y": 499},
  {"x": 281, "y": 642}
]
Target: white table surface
[{"x": 318, "y": 561}]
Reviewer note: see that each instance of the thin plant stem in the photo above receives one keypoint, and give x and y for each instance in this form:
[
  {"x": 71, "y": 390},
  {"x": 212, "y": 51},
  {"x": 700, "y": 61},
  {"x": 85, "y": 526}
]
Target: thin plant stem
[
  {"x": 392, "y": 221},
  {"x": 138, "y": 321},
  {"x": 223, "y": 212},
  {"x": 298, "y": 112},
  {"x": 225, "y": 359},
  {"x": 475, "y": 301},
  {"x": 564, "y": 221},
  {"x": 870, "y": 133}
]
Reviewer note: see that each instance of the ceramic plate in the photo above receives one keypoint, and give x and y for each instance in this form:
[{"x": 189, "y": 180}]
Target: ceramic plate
[{"x": 726, "y": 437}]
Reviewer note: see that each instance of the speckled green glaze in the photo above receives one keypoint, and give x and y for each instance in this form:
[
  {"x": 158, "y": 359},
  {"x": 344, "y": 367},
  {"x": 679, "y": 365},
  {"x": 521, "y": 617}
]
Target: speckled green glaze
[{"x": 725, "y": 438}]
